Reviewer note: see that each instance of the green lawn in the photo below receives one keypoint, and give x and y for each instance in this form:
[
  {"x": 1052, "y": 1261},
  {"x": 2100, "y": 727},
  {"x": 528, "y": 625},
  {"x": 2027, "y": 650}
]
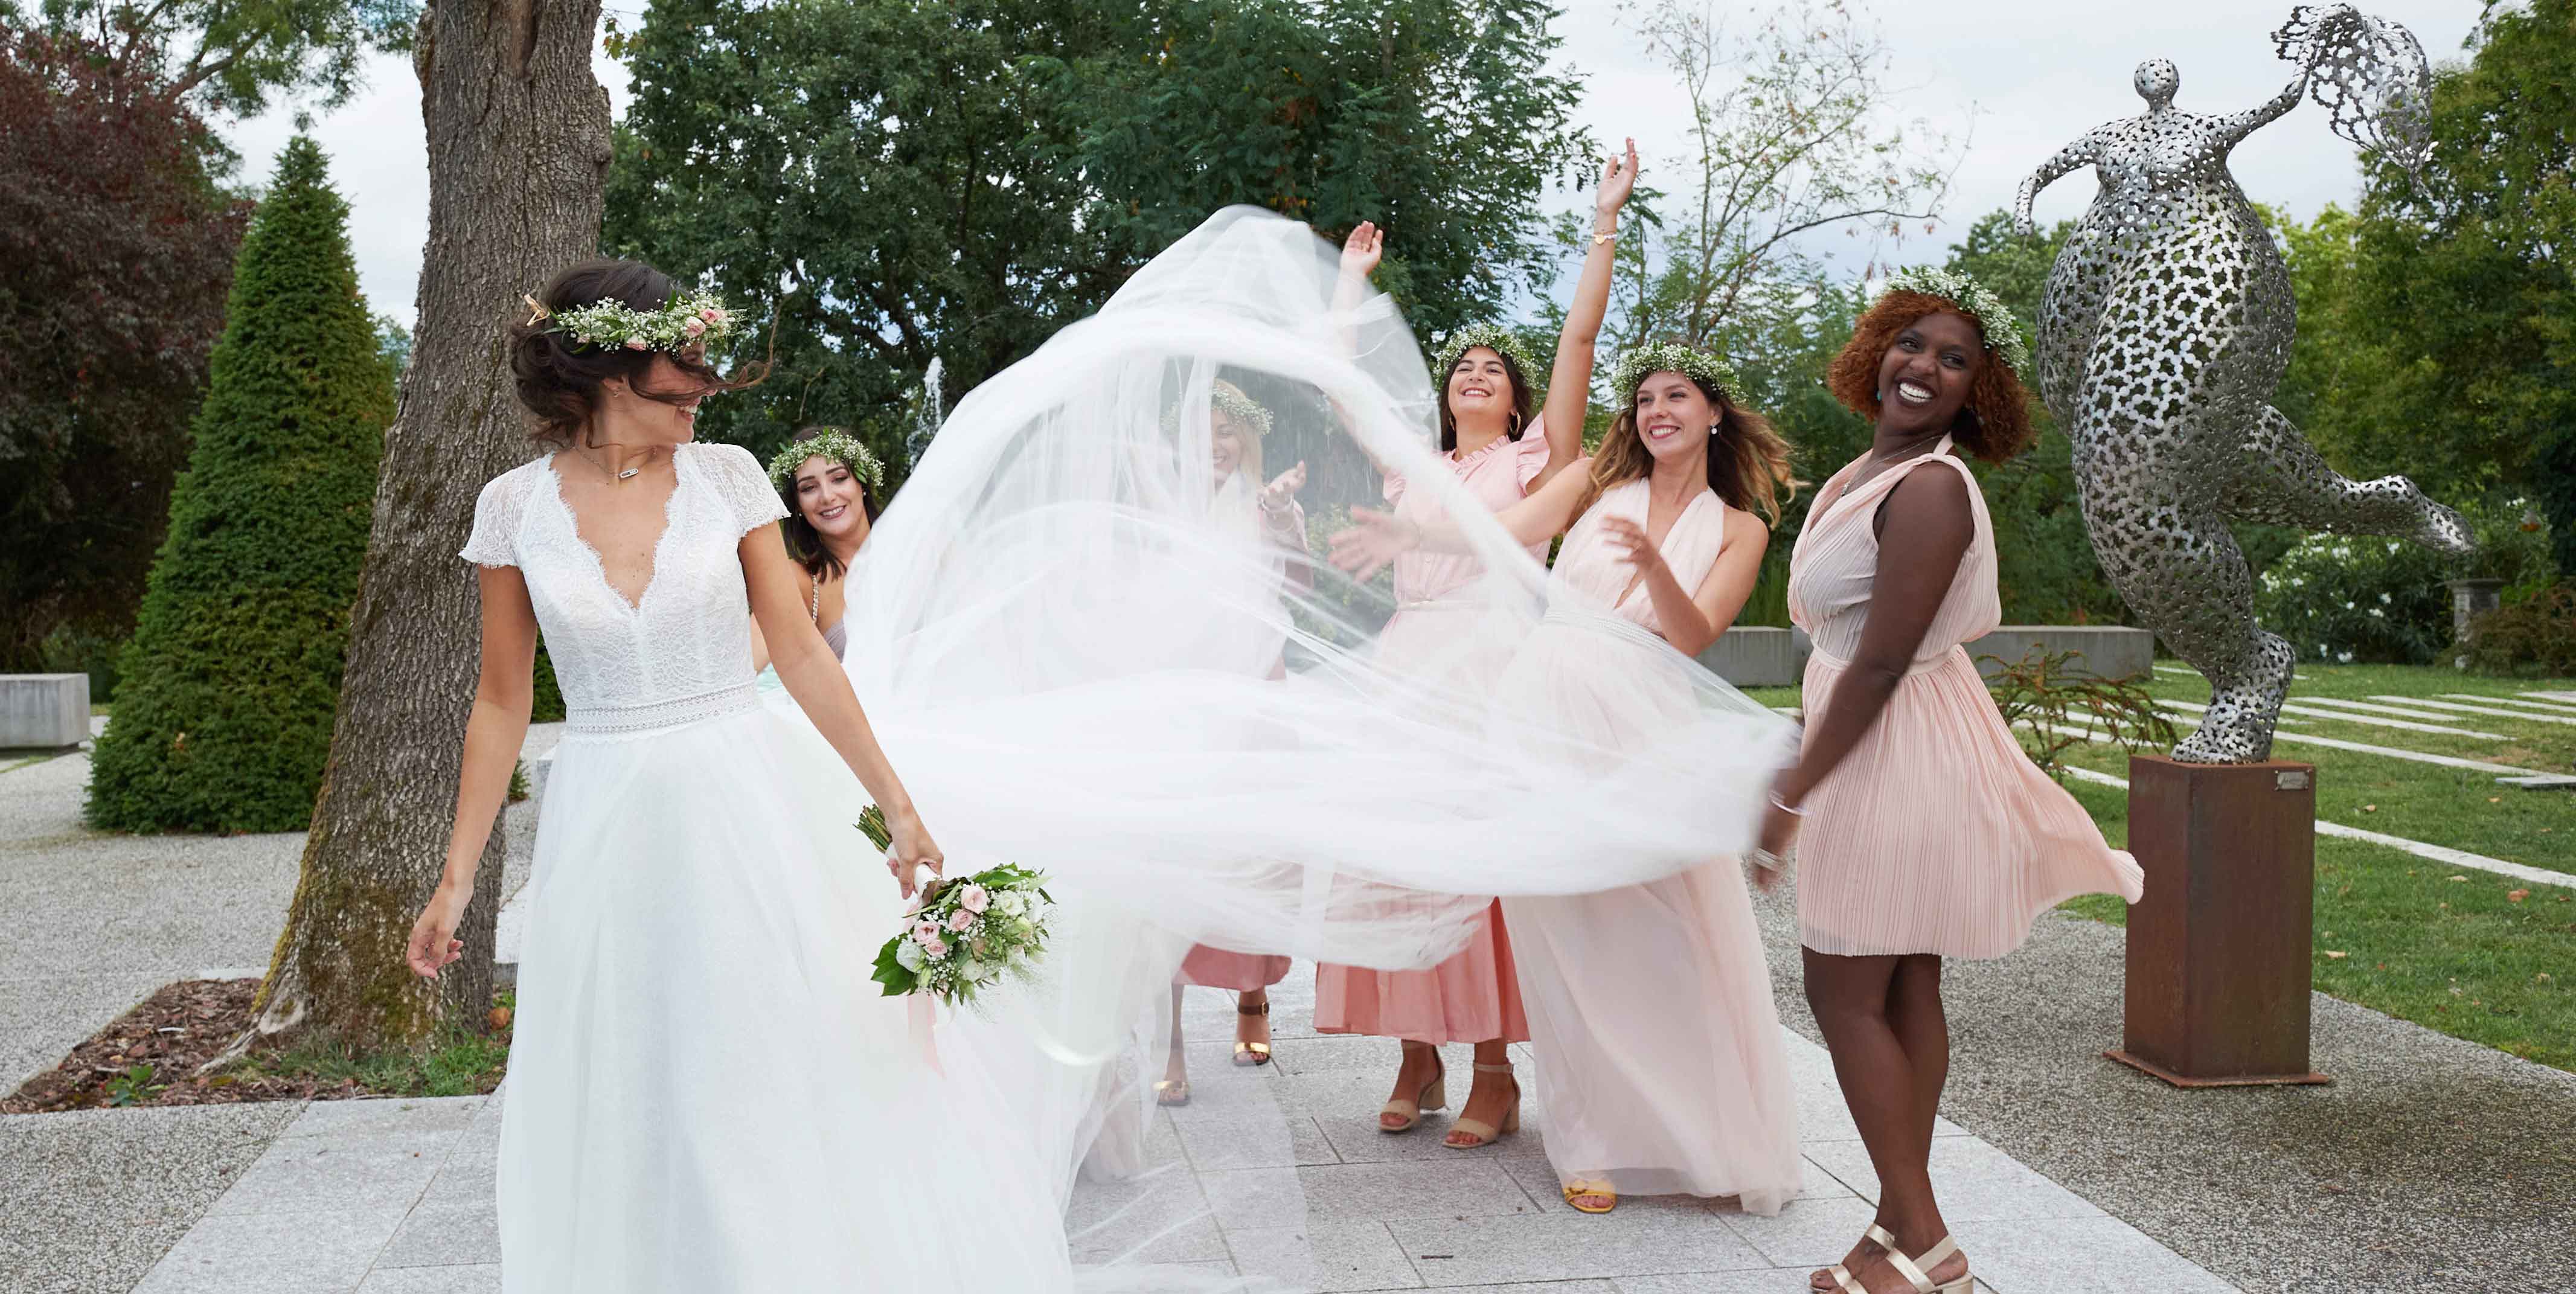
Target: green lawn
[{"x": 2448, "y": 947}]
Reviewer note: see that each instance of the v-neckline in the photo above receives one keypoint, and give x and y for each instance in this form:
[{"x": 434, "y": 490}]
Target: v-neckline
[
  {"x": 598, "y": 564},
  {"x": 1645, "y": 522},
  {"x": 1847, "y": 492}
]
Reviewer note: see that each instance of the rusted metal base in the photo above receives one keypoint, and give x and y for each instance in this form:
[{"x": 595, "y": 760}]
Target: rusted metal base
[
  {"x": 2145, "y": 1066},
  {"x": 2221, "y": 947}
]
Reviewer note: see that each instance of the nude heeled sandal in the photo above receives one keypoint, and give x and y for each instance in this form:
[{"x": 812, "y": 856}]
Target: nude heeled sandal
[
  {"x": 1434, "y": 1096},
  {"x": 1483, "y": 1132},
  {"x": 1909, "y": 1268}
]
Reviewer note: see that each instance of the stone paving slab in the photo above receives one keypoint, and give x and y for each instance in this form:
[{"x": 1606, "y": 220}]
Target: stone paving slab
[{"x": 396, "y": 1195}]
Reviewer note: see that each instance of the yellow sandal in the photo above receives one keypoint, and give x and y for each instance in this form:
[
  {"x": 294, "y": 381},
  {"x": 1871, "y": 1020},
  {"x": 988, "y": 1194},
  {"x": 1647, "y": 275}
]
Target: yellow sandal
[{"x": 1583, "y": 1189}]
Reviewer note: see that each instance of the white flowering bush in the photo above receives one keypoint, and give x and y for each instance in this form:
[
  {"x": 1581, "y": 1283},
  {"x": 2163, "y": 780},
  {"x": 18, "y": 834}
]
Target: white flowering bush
[{"x": 2344, "y": 600}]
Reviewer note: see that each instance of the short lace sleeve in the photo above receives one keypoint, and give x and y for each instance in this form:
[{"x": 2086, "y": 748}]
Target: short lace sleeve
[
  {"x": 744, "y": 487},
  {"x": 494, "y": 541}
]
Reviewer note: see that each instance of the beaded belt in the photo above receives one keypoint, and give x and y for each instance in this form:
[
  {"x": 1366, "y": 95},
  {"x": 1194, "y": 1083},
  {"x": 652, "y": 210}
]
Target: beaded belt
[{"x": 607, "y": 719}]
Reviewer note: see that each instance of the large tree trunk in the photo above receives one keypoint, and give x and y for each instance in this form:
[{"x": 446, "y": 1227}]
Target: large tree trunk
[{"x": 518, "y": 161}]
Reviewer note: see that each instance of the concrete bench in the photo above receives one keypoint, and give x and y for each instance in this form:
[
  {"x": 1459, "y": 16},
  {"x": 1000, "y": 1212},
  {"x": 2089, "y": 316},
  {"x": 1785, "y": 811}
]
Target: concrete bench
[
  {"x": 47, "y": 710},
  {"x": 1759, "y": 657}
]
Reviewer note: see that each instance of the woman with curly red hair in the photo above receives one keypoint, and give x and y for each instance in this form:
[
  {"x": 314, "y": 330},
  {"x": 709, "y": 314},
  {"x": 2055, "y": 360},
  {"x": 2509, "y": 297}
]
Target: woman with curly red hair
[{"x": 1931, "y": 835}]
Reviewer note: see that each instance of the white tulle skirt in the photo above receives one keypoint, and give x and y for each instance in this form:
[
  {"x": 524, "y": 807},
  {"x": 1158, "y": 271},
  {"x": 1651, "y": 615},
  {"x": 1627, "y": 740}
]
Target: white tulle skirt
[
  {"x": 1658, "y": 1049},
  {"x": 707, "y": 1094}
]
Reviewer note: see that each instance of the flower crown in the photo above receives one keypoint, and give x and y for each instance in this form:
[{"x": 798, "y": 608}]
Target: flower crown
[
  {"x": 687, "y": 319},
  {"x": 835, "y": 444},
  {"x": 1223, "y": 398},
  {"x": 1973, "y": 299},
  {"x": 1672, "y": 357},
  {"x": 1494, "y": 337}
]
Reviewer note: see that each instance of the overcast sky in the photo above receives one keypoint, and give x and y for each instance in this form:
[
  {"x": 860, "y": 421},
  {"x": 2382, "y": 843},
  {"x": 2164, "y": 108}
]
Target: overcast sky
[{"x": 2021, "y": 77}]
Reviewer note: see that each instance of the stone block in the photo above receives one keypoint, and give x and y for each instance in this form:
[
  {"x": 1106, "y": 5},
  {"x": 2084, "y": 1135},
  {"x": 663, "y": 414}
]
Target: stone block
[
  {"x": 43, "y": 710},
  {"x": 1755, "y": 656},
  {"x": 2110, "y": 651}
]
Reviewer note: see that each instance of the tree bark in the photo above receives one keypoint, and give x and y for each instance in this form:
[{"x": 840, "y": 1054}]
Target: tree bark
[{"x": 518, "y": 164}]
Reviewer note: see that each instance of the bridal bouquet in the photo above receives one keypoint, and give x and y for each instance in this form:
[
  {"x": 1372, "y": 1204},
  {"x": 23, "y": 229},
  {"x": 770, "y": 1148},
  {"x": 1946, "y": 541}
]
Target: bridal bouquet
[{"x": 963, "y": 934}]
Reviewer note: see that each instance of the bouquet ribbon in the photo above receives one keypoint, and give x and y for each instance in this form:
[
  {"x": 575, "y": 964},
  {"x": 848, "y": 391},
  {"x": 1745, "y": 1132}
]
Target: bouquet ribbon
[{"x": 924, "y": 1017}]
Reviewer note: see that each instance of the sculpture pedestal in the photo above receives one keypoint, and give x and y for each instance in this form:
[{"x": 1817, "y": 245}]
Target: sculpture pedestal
[{"x": 2220, "y": 949}]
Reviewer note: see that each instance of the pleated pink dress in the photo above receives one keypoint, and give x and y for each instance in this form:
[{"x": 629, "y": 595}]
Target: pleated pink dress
[
  {"x": 1936, "y": 834},
  {"x": 1659, "y": 1058},
  {"x": 1474, "y": 996}
]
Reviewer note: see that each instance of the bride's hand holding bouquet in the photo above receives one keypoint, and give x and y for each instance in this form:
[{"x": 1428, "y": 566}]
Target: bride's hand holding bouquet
[{"x": 961, "y": 936}]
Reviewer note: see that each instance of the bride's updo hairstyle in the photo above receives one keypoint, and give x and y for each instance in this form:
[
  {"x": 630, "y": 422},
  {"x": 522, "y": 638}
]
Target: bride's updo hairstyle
[{"x": 559, "y": 375}]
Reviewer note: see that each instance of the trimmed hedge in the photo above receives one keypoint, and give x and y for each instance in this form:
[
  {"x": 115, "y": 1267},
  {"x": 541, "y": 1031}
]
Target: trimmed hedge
[{"x": 223, "y": 714}]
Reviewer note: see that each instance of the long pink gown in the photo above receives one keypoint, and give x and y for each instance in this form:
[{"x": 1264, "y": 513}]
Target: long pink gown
[
  {"x": 1475, "y": 995},
  {"x": 1936, "y": 834},
  {"x": 1659, "y": 1056}
]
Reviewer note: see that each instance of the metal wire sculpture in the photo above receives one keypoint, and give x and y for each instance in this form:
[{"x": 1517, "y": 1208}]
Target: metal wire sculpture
[{"x": 2164, "y": 330}]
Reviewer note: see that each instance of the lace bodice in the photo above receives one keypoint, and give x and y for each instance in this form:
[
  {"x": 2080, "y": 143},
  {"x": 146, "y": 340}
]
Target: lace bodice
[
  {"x": 1593, "y": 575},
  {"x": 690, "y": 636}
]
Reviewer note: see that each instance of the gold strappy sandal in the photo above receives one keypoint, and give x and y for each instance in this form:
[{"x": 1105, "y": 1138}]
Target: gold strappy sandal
[
  {"x": 1485, "y": 1133},
  {"x": 1172, "y": 1091},
  {"x": 1252, "y": 1053},
  {"x": 1433, "y": 1096}
]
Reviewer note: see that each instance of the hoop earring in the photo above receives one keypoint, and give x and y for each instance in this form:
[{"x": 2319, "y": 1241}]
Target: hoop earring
[{"x": 1515, "y": 432}]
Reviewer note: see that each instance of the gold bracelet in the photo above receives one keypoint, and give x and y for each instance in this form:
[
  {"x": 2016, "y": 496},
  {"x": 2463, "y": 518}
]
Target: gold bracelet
[{"x": 1598, "y": 239}]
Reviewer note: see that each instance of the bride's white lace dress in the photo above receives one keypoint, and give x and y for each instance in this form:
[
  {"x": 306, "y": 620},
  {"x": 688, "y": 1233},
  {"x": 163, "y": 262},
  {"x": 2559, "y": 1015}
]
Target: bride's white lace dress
[{"x": 707, "y": 1095}]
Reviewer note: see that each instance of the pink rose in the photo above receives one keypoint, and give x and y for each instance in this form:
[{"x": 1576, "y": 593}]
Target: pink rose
[
  {"x": 974, "y": 898},
  {"x": 638, "y": 343},
  {"x": 960, "y": 919},
  {"x": 925, "y": 933},
  {"x": 693, "y": 327},
  {"x": 937, "y": 947},
  {"x": 713, "y": 315}
]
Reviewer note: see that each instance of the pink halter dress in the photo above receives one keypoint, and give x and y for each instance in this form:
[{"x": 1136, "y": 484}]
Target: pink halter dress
[
  {"x": 1474, "y": 996},
  {"x": 1936, "y": 834},
  {"x": 1660, "y": 1066}
]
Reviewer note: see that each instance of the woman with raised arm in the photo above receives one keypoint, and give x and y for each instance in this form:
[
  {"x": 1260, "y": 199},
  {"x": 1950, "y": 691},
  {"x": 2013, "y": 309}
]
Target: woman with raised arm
[
  {"x": 1657, "y": 1046},
  {"x": 1486, "y": 406},
  {"x": 1930, "y": 834},
  {"x": 699, "y": 901},
  {"x": 830, "y": 485}
]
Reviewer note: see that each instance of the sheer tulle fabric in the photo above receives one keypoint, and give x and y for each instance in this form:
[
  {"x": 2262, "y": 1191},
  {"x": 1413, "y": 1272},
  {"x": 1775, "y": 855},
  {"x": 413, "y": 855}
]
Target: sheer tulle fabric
[
  {"x": 1936, "y": 834},
  {"x": 1657, "y": 1046}
]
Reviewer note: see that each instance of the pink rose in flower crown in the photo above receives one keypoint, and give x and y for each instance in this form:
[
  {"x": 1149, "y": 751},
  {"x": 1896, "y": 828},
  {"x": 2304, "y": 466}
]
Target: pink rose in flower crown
[
  {"x": 959, "y": 920},
  {"x": 974, "y": 898},
  {"x": 693, "y": 327},
  {"x": 638, "y": 343}
]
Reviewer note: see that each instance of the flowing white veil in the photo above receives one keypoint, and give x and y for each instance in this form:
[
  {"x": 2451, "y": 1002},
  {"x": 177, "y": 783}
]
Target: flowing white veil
[{"x": 1087, "y": 649}]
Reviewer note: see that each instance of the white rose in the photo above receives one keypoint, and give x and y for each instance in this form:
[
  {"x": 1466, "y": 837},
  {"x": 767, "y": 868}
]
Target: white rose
[{"x": 909, "y": 955}]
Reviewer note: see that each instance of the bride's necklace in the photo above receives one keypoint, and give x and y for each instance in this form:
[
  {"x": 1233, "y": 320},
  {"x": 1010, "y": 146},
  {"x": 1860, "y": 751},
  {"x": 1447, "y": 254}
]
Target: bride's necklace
[{"x": 605, "y": 470}]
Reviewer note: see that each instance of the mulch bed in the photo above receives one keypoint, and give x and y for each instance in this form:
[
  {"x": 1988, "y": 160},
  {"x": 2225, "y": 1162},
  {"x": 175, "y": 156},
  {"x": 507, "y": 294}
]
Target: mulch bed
[{"x": 177, "y": 1029}]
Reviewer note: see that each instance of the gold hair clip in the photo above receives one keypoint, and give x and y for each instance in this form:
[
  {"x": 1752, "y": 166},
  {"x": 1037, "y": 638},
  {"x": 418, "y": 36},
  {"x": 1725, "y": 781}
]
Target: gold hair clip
[{"x": 536, "y": 310}]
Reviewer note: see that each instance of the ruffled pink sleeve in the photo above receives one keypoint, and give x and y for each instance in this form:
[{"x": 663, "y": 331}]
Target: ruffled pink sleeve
[{"x": 1529, "y": 458}]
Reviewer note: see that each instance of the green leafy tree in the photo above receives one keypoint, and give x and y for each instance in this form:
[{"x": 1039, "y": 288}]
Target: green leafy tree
[
  {"x": 116, "y": 249},
  {"x": 903, "y": 182},
  {"x": 224, "y": 716},
  {"x": 230, "y": 56},
  {"x": 2456, "y": 357}
]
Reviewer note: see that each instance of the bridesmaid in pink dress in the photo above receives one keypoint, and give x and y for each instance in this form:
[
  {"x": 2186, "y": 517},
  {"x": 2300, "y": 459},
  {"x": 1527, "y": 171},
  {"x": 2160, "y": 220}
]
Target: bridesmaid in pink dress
[
  {"x": 1236, "y": 424},
  {"x": 1474, "y": 997},
  {"x": 1929, "y": 834},
  {"x": 1658, "y": 1050}
]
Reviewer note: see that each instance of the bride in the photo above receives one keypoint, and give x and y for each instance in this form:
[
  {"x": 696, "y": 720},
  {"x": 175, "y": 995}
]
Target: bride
[{"x": 1068, "y": 650}]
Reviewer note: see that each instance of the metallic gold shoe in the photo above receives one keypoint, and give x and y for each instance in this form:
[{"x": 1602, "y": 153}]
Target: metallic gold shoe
[
  {"x": 1252, "y": 1053},
  {"x": 1172, "y": 1091}
]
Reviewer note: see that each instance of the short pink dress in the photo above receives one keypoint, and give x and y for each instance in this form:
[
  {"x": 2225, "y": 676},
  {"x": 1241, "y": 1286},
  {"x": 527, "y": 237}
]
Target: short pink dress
[
  {"x": 1936, "y": 834},
  {"x": 1475, "y": 995}
]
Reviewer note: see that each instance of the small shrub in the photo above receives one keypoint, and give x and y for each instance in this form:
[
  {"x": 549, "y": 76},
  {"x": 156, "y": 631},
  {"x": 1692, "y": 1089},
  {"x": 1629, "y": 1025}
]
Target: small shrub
[
  {"x": 2052, "y": 703},
  {"x": 2345, "y": 600},
  {"x": 2535, "y": 637}
]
